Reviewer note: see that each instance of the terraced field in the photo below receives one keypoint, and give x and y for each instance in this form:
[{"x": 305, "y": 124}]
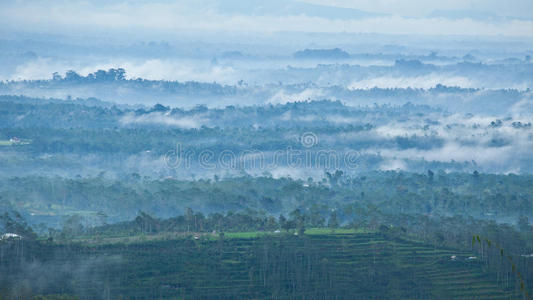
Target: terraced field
[
  {"x": 282, "y": 266},
  {"x": 324, "y": 266}
]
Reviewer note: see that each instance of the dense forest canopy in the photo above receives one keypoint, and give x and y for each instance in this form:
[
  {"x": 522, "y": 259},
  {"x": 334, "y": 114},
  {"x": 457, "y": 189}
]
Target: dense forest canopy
[{"x": 93, "y": 171}]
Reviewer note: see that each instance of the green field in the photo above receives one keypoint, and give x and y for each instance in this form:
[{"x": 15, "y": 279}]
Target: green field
[{"x": 11, "y": 143}]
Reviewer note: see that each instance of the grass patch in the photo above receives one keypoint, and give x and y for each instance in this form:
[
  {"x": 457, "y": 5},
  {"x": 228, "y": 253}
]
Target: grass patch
[
  {"x": 11, "y": 143},
  {"x": 140, "y": 238},
  {"x": 322, "y": 231},
  {"x": 245, "y": 235}
]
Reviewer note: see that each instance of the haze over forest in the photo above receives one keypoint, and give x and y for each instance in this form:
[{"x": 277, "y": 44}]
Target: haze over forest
[{"x": 129, "y": 126}]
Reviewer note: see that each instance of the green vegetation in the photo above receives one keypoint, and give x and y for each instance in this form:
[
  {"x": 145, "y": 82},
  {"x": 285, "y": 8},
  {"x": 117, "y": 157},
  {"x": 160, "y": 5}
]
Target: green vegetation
[
  {"x": 184, "y": 257},
  {"x": 14, "y": 142},
  {"x": 93, "y": 204},
  {"x": 245, "y": 235},
  {"x": 254, "y": 265},
  {"x": 318, "y": 231},
  {"x": 483, "y": 196}
]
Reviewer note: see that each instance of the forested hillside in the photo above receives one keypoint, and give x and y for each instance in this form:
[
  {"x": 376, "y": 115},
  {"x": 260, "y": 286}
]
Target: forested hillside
[
  {"x": 313, "y": 266},
  {"x": 281, "y": 149}
]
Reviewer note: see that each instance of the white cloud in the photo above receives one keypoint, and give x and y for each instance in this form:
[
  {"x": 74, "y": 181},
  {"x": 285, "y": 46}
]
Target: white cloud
[
  {"x": 393, "y": 165},
  {"x": 339, "y": 119},
  {"x": 282, "y": 96},
  {"x": 155, "y": 69},
  {"x": 164, "y": 119},
  {"x": 425, "y": 82},
  {"x": 523, "y": 108},
  {"x": 295, "y": 173},
  {"x": 464, "y": 140},
  {"x": 41, "y": 68},
  {"x": 180, "y": 70}
]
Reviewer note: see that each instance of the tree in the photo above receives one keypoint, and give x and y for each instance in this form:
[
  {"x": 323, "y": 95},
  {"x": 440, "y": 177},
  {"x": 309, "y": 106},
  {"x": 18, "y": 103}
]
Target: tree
[
  {"x": 281, "y": 221},
  {"x": 117, "y": 74},
  {"x": 189, "y": 217},
  {"x": 271, "y": 223},
  {"x": 102, "y": 216},
  {"x": 430, "y": 175},
  {"x": 73, "y": 226},
  {"x": 14, "y": 223},
  {"x": 299, "y": 220},
  {"x": 523, "y": 223},
  {"x": 56, "y": 76},
  {"x": 333, "y": 222},
  {"x": 72, "y": 76},
  {"x": 334, "y": 178},
  {"x": 316, "y": 218},
  {"x": 285, "y": 224}
]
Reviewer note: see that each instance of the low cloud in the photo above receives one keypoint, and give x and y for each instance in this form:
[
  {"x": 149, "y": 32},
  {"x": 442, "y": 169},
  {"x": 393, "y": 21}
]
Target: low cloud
[
  {"x": 393, "y": 165},
  {"x": 153, "y": 69},
  {"x": 424, "y": 82},
  {"x": 282, "y": 96},
  {"x": 494, "y": 146},
  {"x": 166, "y": 119},
  {"x": 181, "y": 70}
]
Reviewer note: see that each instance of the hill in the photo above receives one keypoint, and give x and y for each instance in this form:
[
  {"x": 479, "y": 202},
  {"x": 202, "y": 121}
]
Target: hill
[
  {"x": 317, "y": 265},
  {"x": 322, "y": 53}
]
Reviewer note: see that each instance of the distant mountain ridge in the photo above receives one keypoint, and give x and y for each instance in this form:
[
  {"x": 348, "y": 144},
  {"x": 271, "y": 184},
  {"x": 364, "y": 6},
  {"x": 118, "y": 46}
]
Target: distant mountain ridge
[
  {"x": 335, "y": 53},
  {"x": 291, "y": 7}
]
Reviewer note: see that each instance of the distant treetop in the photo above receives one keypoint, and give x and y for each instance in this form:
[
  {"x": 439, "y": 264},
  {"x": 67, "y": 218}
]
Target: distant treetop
[
  {"x": 100, "y": 75},
  {"x": 335, "y": 53}
]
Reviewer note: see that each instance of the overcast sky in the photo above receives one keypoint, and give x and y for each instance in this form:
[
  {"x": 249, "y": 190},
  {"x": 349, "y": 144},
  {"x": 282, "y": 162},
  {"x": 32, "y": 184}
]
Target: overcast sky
[
  {"x": 421, "y": 8},
  {"x": 450, "y": 17}
]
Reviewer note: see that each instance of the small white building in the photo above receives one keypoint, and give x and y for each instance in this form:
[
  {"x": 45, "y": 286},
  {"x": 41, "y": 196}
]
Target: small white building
[{"x": 9, "y": 236}]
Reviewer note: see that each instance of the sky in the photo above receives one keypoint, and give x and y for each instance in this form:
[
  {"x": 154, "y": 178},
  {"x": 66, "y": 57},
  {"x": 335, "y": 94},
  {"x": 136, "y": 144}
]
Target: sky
[
  {"x": 420, "y": 17},
  {"x": 422, "y": 8}
]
